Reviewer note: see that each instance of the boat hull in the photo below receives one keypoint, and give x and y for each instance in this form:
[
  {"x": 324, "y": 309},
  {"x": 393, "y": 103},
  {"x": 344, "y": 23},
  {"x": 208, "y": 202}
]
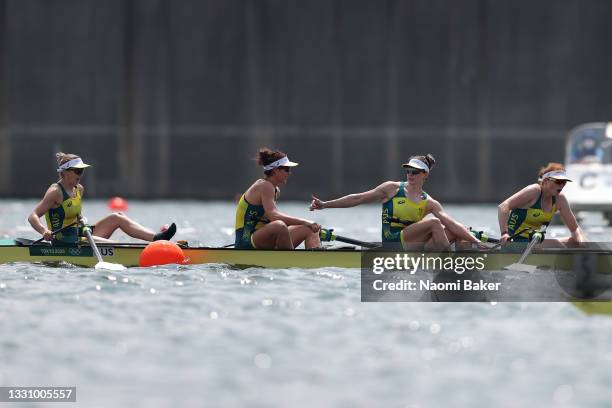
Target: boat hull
[{"x": 600, "y": 259}]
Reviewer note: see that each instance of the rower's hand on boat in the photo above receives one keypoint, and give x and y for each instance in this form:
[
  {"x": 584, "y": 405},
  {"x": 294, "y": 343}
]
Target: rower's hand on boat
[
  {"x": 47, "y": 235},
  {"x": 316, "y": 204},
  {"x": 504, "y": 238},
  {"x": 314, "y": 226}
]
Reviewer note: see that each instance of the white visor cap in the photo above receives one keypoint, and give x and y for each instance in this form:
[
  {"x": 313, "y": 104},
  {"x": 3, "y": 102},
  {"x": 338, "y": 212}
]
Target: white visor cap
[
  {"x": 73, "y": 164},
  {"x": 417, "y": 164},
  {"x": 555, "y": 175},
  {"x": 282, "y": 162}
]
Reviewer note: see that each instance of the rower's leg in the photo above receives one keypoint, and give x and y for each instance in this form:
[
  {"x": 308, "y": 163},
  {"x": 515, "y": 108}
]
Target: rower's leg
[
  {"x": 273, "y": 235},
  {"x": 449, "y": 235},
  {"x": 101, "y": 240},
  {"x": 556, "y": 242},
  {"x": 109, "y": 224},
  {"x": 439, "y": 240},
  {"x": 429, "y": 231},
  {"x": 301, "y": 233},
  {"x": 453, "y": 239}
]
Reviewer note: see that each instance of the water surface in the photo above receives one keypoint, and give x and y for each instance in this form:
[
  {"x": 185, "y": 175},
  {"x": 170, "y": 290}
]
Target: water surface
[{"x": 209, "y": 335}]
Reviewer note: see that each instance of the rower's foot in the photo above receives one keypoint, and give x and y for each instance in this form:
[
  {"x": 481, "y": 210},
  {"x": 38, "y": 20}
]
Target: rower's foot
[{"x": 167, "y": 234}]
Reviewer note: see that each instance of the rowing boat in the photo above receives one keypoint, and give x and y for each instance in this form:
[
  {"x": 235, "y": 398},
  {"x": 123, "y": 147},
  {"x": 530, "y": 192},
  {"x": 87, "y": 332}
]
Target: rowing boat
[{"x": 599, "y": 257}]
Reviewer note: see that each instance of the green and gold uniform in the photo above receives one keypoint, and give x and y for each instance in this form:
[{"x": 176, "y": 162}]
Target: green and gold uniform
[
  {"x": 249, "y": 218},
  {"x": 531, "y": 218},
  {"x": 64, "y": 215},
  {"x": 400, "y": 206}
]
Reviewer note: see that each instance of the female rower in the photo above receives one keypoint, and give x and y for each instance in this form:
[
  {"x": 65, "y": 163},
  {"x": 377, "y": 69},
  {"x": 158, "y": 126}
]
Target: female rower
[
  {"x": 259, "y": 224},
  {"x": 404, "y": 207},
  {"x": 534, "y": 206},
  {"x": 61, "y": 207}
]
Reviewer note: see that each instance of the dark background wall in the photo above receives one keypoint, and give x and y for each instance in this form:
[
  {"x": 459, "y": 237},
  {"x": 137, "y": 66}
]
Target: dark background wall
[{"x": 172, "y": 98}]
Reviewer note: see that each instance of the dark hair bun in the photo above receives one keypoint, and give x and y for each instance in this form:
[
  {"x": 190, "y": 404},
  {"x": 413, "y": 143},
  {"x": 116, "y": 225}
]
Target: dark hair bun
[
  {"x": 266, "y": 156},
  {"x": 430, "y": 160}
]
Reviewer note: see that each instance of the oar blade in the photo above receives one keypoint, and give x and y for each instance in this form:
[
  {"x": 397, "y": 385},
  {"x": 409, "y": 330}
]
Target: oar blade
[
  {"x": 110, "y": 266},
  {"x": 520, "y": 267}
]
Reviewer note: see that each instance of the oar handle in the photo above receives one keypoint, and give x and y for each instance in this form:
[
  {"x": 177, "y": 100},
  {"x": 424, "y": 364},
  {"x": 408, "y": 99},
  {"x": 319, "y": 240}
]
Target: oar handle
[
  {"x": 327, "y": 234},
  {"x": 55, "y": 232},
  {"x": 92, "y": 243},
  {"x": 483, "y": 237}
]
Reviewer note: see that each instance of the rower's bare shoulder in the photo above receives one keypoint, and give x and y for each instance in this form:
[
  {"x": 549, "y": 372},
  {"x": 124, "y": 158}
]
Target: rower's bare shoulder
[
  {"x": 383, "y": 192},
  {"x": 389, "y": 186},
  {"x": 562, "y": 199},
  {"x": 531, "y": 191},
  {"x": 262, "y": 186},
  {"x": 433, "y": 204},
  {"x": 53, "y": 194},
  {"x": 257, "y": 190},
  {"x": 54, "y": 189}
]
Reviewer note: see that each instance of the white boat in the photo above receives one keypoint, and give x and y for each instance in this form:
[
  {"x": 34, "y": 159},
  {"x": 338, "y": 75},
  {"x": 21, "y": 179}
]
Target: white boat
[{"x": 588, "y": 162}]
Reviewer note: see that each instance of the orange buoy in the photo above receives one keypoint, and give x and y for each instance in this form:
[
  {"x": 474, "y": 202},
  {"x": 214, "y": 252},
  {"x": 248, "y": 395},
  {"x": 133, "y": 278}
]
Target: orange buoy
[
  {"x": 161, "y": 253},
  {"x": 117, "y": 204}
]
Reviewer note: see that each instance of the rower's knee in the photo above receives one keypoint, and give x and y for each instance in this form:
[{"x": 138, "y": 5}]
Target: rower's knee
[
  {"x": 314, "y": 236},
  {"x": 118, "y": 217},
  {"x": 435, "y": 224},
  {"x": 279, "y": 226}
]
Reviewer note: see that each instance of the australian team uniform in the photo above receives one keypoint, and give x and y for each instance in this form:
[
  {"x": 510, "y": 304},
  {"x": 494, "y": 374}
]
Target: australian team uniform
[
  {"x": 400, "y": 206},
  {"x": 63, "y": 216},
  {"x": 249, "y": 218},
  {"x": 531, "y": 218}
]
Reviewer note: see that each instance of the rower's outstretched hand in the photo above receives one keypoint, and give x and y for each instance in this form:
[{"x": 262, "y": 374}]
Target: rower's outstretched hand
[{"x": 316, "y": 204}]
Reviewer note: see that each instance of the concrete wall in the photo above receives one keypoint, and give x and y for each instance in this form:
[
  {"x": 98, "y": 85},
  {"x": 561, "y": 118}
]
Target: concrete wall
[{"x": 172, "y": 98}]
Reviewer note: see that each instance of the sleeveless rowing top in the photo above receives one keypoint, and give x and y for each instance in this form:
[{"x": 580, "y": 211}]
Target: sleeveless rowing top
[
  {"x": 532, "y": 218},
  {"x": 64, "y": 215},
  {"x": 249, "y": 218},
  {"x": 400, "y": 206}
]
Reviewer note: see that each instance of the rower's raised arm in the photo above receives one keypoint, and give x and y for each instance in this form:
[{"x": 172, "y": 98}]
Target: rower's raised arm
[{"x": 379, "y": 194}]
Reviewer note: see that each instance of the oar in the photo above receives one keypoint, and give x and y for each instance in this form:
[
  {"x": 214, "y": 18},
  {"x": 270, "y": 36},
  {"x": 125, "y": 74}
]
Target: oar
[
  {"x": 55, "y": 232},
  {"x": 101, "y": 264},
  {"x": 536, "y": 238},
  {"x": 485, "y": 238},
  {"x": 327, "y": 234}
]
